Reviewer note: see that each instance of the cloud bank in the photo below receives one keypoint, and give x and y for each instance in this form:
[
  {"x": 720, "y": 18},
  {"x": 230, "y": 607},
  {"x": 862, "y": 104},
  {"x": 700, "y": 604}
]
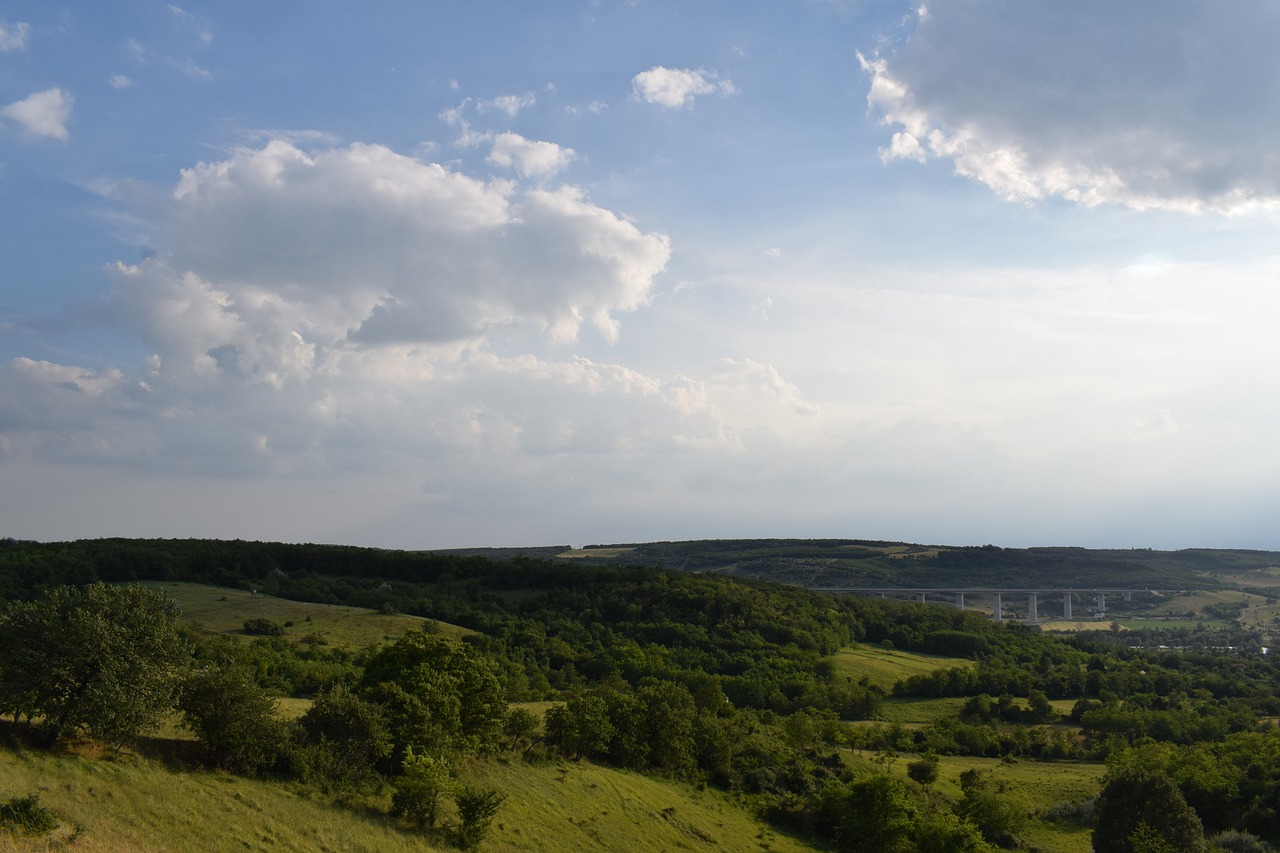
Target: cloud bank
[{"x": 1096, "y": 102}]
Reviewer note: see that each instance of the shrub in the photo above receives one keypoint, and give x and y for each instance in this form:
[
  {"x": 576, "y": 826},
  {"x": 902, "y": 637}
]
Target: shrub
[
  {"x": 476, "y": 810},
  {"x": 261, "y": 627},
  {"x": 26, "y": 816}
]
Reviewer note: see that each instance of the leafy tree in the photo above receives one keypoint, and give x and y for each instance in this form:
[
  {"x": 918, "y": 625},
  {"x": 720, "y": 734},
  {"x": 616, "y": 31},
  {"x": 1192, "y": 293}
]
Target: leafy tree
[
  {"x": 344, "y": 738},
  {"x": 107, "y": 660},
  {"x": 1139, "y": 811},
  {"x": 924, "y": 770},
  {"x": 459, "y": 694},
  {"x": 234, "y": 719},
  {"x": 873, "y": 815},
  {"x": 423, "y": 782},
  {"x": 476, "y": 811},
  {"x": 998, "y": 820}
]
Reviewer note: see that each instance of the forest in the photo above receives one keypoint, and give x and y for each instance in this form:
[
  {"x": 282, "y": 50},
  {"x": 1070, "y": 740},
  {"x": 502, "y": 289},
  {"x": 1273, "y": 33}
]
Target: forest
[{"x": 677, "y": 670}]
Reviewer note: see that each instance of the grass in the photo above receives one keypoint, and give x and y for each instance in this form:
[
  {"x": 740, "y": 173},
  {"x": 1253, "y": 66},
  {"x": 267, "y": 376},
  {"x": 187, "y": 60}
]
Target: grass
[
  {"x": 593, "y": 553},
  {"x": 580, "y": 806},
  {"x": 1033, "y": 786},
  {"x": 112, "y": 804},
  {"x": 129, "y": 804},
  {"x": 885, "y": 667},
  {"x": 919, "y": 711},
  {"x": 225, "y": 611}
]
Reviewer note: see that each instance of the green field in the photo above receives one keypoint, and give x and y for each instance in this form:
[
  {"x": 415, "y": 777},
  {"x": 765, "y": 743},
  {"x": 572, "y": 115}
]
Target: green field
[
  {"x": 885, "y": 667},
  {"x": 224, "y": 611},
  {"x": 919, "y": 711},
  {"x": 1034, "y": 786}
]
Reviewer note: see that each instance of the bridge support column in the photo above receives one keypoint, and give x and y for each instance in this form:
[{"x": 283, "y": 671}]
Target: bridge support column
[
  {"x": 960, "y": 601},
  {"x": 1032, "y": 614},
  {"x": 1102, "y": 604},
  {"x": 1066, "y": 605},
  {"x": 997, "y": 612},
  {"x": 920, "y": 598}
]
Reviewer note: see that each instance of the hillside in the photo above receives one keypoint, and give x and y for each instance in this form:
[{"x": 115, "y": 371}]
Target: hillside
[{"x": 700, "y": 707}]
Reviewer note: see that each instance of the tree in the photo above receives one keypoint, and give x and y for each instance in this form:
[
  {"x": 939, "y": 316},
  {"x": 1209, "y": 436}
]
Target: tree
[
  {"x": 476, "y": 810},
  {"x": 104, "y": 659},
  {"x": 873, "y": 815},
  {"x": 344, "y": 738},
  {"x": 423, "y": 782},
  {"x": 455, "y": 685},
  {"x": 1140, "y": 810},
  {"x": 924, "y": 770},
  {"x": 998, "y": 821},
  {"x": 233, "y": 717}
]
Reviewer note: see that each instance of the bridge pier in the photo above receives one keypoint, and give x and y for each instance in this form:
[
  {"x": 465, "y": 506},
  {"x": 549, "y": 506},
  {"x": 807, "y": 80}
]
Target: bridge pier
[
  {"x": 1102, "y": 604},
  {"x": 960, "y": 601},
  {"x": 997, "y": 612},
  {"x": 1066, "y": 605},
  {"x": 1032, "y": 614},
  {"x": 921, "y": 598}
]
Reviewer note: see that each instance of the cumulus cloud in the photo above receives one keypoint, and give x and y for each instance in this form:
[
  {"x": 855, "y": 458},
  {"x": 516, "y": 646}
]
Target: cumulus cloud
[
  {"x": 119, "y": 81},
  {"x": 529, "y": 157},
  {"x": 509, "y": 104},
  {"x": 677, "y": 87},
  {"x": 1099, "y": 103},
  {"x": 13, "y": 36},
  {"x": 381, "y": 248},
  {"x": 42, "y": 114}
]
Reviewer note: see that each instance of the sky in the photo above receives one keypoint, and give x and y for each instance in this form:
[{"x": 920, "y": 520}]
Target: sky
[{"x": 430, "y": 275}]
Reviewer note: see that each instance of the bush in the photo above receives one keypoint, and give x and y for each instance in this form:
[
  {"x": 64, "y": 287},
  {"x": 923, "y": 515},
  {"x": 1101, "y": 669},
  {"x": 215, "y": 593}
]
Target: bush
[
  {"x": 476, "y": 810},
  {"x": 924, "y": 770},
  {"x": 262, "y": 628},
  {"x": 26, "y": 816},
  {"x": 1238, "y": 842}
]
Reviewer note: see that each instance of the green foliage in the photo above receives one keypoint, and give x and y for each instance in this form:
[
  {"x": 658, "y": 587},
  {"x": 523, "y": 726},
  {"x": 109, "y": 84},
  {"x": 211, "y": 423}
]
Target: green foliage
[
  {"x": 924, "y": 770},
  {"x": 104, "y": 659},
  {"x": 343, "y": 740},
  {"x": 418, "y": 790},
  {"x": 998, "y": 820},
  {"x": 874, "y": 815},
  {"x": 1142, "y": 812},
  {"x": 446, "y": 694},
  {"x": 234, "y": 719},
  {"x": 476, "y": 811},
  {"x": 262, "y": 627},
  {"x": 25, "y": 816}
]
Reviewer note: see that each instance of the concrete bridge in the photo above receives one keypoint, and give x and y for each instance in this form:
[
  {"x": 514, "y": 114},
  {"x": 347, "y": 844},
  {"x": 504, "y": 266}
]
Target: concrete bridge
[{"x": 957, "y": 596}]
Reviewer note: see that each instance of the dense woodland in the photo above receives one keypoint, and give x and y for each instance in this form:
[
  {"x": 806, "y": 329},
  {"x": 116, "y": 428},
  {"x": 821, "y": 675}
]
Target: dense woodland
[{"x": 725, "y": 681}]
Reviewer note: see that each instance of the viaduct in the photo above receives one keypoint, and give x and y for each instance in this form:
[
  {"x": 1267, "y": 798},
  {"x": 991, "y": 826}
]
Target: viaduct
[{"x": 957, "y": 595}]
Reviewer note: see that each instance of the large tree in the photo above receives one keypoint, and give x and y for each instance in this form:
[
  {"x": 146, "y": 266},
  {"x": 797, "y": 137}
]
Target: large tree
[
  {"x": 1139, "y": 811},
  {"x": 440, "y": 695},
  {"x": 106, "y": 660}
]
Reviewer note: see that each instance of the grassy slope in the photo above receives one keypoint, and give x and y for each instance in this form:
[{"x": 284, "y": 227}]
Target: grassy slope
[
  {"x": 128, "y": 804},
  {"x": 225, "y": 611},
  {"x": 885, "y": 667},
  {"x": 1031, "y": 785},
  {"x": 580, "y": 806}
]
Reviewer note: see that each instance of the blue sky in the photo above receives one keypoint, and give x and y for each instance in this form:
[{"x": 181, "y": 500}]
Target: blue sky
[{"x": 430, "y": 275}]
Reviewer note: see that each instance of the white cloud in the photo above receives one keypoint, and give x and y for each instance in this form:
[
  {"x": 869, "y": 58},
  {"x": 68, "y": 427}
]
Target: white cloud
[
  {"x": 42, "y": 114},
  {"x": 676, "y": 87},
  {"x": 13, "y": 37},
  {"x": 119, "y": 81},
  {"x": 1099, "y": 104},
  {"x": 509, "y": 104},
  {"x": 529, "y": 157}
]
